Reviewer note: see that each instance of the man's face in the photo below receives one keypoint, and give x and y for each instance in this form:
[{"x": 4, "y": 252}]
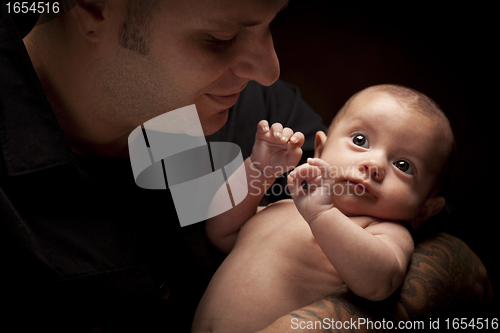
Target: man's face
[
  {"x": 384, "y": 158},
  {"x": 202, "y": 52}
]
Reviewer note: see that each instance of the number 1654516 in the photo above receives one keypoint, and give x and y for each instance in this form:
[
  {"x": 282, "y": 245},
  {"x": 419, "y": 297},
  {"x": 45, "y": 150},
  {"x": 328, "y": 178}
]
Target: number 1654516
[
  {"x": 36, "y": 7},
  {"x": 474, "y": 323}
]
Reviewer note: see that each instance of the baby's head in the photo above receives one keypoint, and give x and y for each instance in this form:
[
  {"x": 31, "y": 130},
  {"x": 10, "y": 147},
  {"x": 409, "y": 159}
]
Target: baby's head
[{"x": 390, "y": 147}]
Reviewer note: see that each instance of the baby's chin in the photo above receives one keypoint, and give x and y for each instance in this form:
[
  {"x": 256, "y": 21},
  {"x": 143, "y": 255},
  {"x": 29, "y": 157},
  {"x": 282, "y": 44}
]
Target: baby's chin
[{"x": 351, "y": 206}]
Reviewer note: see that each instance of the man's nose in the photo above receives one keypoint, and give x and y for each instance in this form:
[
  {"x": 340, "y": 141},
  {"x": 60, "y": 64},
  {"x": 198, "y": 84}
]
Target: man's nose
[
  {"x": 373, "y": 169},
  {"x": 257, "y": 60}
]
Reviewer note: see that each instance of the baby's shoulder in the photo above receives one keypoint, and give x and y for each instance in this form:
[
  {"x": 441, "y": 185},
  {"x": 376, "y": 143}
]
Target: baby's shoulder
[
  {"x": 281, "y": 202},
  {"x": 373, "y": 222},
  {"x": 275, "y": 217},
  {"x": 392, "y": 230},
  {"x": 285, "y": 207}
]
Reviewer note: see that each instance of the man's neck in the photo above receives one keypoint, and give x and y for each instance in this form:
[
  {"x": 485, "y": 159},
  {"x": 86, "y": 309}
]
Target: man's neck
[{"x": 86, "y": 136}]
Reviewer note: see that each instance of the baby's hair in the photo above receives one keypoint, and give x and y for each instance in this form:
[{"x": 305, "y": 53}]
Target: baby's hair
[
  {"x": 410, "y": 98},
  {"x": 414, "y": 100}
]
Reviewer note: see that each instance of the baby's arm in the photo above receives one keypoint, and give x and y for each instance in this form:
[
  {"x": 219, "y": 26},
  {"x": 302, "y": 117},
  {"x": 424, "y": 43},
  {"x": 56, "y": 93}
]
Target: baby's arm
[
  {"x": 276, "y": 151},
  {"x": 371, "y": 261}
]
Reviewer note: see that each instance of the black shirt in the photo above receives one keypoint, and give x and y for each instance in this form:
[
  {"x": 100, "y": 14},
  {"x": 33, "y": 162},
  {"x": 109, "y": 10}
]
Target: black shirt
[{"x": 82, "y": 247}]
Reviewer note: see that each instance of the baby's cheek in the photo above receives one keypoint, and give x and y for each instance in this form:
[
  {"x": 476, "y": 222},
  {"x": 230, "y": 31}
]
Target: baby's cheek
[{"x": 405, "y": 206}]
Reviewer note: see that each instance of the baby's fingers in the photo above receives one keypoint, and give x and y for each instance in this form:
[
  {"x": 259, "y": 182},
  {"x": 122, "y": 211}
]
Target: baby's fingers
[
  {"x": 305, "y": 172},
  {"x": 295, "y": 184},
  {"x": 297, "y": 139},
  {"x": 286, "y": 134},
  {"x": 323, "y": 166},
  {"x": 277, "y": 130},
  {"x": 263, "y": 127}
]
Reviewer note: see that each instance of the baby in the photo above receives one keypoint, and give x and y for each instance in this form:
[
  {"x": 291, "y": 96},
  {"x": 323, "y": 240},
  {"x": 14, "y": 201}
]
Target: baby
[{"x": 378, "y": 171}]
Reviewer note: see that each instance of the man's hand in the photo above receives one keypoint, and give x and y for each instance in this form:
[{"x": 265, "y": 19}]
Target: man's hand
[
  {"x": 318, "y": 196},
  {"x": 445, "y": 280},
  {"x": 276, "y": 149}
]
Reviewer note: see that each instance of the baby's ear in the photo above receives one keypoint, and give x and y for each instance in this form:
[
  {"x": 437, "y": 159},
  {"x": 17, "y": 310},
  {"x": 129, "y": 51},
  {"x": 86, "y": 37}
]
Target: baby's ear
[
  {"x": 319, "y": 143},
  {"x": 431, "y": 207}
]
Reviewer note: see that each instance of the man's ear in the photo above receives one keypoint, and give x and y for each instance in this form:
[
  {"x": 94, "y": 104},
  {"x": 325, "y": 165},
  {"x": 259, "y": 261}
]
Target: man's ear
[
  {"x": 431, "y": 207},
  {"x": 90, "y": 19},
  {"x": 319, "y": 143}
]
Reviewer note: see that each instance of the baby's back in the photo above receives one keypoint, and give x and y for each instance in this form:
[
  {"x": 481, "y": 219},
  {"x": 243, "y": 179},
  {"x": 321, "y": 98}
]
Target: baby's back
[{"x": 275, "y": 267}]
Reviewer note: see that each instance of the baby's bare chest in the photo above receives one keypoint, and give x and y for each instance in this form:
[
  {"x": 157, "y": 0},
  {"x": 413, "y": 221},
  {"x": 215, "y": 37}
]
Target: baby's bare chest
[
  {"x": 275, "y": 267},
  {"x": 280, "y": 245},
  {"x": 281, "y": 228}
]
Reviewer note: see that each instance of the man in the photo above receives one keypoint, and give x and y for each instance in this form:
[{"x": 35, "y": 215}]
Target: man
[{"x": 83, "y": 247}]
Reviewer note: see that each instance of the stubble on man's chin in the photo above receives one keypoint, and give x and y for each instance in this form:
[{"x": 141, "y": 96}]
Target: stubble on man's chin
[
  {"x": 216, "y": 122},
  {"x": 224, "y": 113}
]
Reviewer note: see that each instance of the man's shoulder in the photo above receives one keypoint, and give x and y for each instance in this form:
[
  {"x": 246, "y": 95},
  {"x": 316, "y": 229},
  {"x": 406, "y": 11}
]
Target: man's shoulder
[{"x": 279, "y": 102}]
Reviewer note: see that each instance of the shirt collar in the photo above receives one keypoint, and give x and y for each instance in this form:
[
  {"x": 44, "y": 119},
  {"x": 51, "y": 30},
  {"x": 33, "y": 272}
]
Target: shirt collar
[{"x": 30, "y": 136}]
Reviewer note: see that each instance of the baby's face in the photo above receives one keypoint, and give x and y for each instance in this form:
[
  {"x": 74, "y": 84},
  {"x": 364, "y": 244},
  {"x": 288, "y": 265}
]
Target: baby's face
[{"x": 385, "y": 159}]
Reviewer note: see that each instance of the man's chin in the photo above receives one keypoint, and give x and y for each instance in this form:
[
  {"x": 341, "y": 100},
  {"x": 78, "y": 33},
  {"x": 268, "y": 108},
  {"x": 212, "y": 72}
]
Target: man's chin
[{"x": 215, "y": 122}]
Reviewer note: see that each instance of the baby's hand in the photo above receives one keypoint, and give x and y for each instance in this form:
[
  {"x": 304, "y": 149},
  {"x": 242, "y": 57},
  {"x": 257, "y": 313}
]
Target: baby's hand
[
  {"x": 276, "y": 149},
  {"x": 317, "y": 197}
]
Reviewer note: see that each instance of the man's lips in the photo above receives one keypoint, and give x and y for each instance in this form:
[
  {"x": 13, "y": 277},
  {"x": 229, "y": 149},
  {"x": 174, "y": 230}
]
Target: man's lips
[{"x": 225, "y": 100}]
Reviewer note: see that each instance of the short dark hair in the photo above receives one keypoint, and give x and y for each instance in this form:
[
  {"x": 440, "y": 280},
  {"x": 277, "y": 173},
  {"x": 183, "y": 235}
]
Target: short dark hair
[{"x": 135, "y": 33}]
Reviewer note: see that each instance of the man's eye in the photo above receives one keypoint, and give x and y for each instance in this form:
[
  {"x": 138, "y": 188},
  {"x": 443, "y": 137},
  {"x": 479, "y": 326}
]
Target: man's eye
[
  {"x": 220, "y": 44},
  {"x": 360, "y": 140},
  {"x": 404, "y": 166}
]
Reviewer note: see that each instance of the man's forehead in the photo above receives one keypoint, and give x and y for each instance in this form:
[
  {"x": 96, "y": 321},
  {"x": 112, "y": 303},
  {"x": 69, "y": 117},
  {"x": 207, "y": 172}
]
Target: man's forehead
[{"x": 228, "y": 14}]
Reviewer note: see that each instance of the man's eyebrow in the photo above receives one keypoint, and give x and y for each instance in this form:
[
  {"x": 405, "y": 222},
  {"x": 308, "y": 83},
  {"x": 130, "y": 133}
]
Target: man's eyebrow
[
  {"x": 230, "y": 24},
  {"x": 227, "y": 24},
  {"x": 284, "y": 6}
]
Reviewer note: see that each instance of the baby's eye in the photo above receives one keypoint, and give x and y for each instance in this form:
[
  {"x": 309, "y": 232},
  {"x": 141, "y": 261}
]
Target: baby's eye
[
  {"x": 360, "y": 140},
  {"x": 404, "y": 166}
]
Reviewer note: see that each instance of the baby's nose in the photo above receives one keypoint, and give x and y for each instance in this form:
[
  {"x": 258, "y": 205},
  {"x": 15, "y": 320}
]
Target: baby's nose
[{"x": 372, "y": 170}]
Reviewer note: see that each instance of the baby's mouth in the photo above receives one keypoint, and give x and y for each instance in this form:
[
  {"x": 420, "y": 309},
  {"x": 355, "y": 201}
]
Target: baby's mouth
[
  {"x": 356, "y": 184},
  {"x": 363, "y": 186}
]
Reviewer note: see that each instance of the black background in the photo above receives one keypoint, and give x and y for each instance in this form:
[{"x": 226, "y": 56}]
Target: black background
[{"x": 331, "y": 50}]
